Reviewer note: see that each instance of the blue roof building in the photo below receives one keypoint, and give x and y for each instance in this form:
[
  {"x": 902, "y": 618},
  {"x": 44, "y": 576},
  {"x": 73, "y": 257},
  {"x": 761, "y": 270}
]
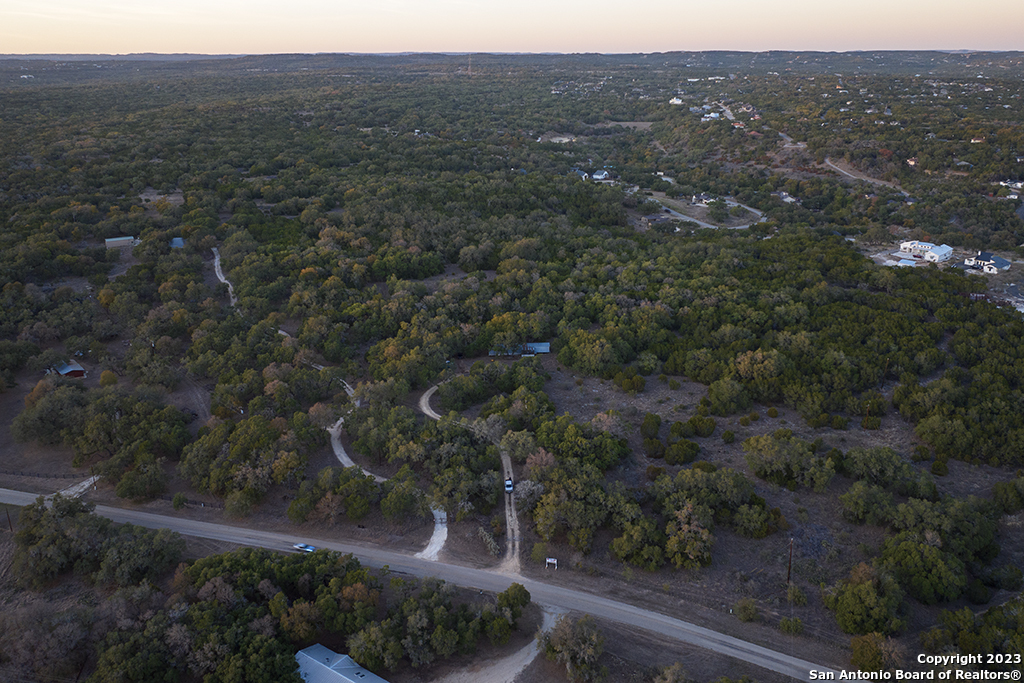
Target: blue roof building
[{"x": 319, "y": 664}]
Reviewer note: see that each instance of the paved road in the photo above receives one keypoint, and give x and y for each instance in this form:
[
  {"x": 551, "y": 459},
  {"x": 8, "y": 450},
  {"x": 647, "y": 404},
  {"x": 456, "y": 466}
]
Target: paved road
[{"x": 543, "y": 594}]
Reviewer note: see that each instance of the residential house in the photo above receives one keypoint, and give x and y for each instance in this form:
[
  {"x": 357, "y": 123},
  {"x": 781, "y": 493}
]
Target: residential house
[
  {"x": 527, "y": 349},
  {"x": 988, "y": 262},
  {"x": 926, "y": 251},
  {"x": 655, "y": 219},
  {"x": 319, "y": 664}
]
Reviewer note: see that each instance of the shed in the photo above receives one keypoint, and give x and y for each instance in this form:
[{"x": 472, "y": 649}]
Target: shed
[
  {"x": 537, "y": 347},
  {"x": 177, "y": 243},
  {"x": 69, "y": 369},
  {"x": 319, "y": 664}
]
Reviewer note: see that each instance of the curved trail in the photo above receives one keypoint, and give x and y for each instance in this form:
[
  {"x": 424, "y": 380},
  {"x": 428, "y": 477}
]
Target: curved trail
[
  {"x": 220, "y": 276},
  {"x": 440, "y": 534},
  {"x": 436, "y": 543},
  {"x": 541, "y": 593},
  {"x": 507, "y": 668},
  {"x": 340, "y": 453},
  {"x": 510, "y": 565},
  {"x": 866, "y": 179},
  {"x": 425, "y": 404}
]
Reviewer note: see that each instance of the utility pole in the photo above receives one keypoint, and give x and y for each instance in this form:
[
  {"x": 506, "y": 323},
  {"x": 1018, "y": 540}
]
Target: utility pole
[{"x": 7, "y": 510}]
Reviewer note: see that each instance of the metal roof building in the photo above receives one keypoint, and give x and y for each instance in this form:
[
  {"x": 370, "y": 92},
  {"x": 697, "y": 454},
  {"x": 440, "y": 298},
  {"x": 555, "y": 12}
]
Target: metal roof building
[
  {"x": 69, "y": 369},
  {"x": 118, "y": 242},
  {"x": 319, "y": 664}
]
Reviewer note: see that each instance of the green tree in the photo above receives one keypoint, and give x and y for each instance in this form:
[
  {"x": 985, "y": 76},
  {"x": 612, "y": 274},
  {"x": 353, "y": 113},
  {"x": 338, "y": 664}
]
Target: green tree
[{"x": 577, "y": 644}]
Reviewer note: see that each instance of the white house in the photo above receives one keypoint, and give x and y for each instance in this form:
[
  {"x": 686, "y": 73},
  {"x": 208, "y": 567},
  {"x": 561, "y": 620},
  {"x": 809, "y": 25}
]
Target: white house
[
  {"x": 926, "y": 251},
  {"x": 318, "y": 664},
  {"x": 990, "y": 263}
]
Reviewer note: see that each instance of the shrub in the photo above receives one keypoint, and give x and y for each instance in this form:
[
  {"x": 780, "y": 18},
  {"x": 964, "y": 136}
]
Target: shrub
[
  {"x": 674, "y": 384},
  {"x": 920, "y": 453},
  {"x": 107, "y": 378},
  {"x": 702, "y": 425},
  {"x": 871, "y": 422},
  {"x": 978, "y": 593},
  {"x": 577, "y": 644},
  {"x": 751, "y": 521},
  {"x": 773, "y": 412},
  {"x": 653, "y": 472},
  {"x": 839, "y": 422},
  {"x": 539, "y": 553},
  {"x": 746, "y": 610},
  {"x": 682, "y": 452},
  {"x": 488, "y": 538},
  {"x": 794, "y": 626},
  {"x": 179, "y": 501},
  {"x": 940, "y": 468},
  {"x": 650, "y": 427},
  {"x": 728, "y": 437},
  {"x": 795, "y": 596},
  {"x": 654, "y": 448},
  {"x": 819, "y": 421},
  {"x": 1009, "y": 496},
  {"x": 867, "y": 652}
]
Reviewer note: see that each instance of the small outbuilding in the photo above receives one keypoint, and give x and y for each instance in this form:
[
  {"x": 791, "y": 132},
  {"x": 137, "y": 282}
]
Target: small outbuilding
[
  {"x": 68, "y": 369},
  {"x": 319, "y": 664},
  {"x": 177, "y": 243},
  {"x": 119, "y": 242}
]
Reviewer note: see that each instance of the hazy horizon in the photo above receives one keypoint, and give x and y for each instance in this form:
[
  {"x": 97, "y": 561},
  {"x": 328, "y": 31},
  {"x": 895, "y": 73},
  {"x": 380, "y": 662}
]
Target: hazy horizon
[
  {"x": 457, "y": 53},
  {"x": 233, "y": 27}
]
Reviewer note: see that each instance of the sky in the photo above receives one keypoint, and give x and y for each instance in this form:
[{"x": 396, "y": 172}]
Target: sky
[{"x": 607, "y": 26}]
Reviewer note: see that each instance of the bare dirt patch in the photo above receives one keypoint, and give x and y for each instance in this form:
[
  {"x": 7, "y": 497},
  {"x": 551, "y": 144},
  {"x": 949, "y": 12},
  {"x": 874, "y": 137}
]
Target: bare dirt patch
[
  {"x": 635, "y": 125},
  {"x": 451, "y": 273},
  {"x": 150, "y": 196},
  {"x": 702, "y": 213},
  {"x": 126, "y": 261}
]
